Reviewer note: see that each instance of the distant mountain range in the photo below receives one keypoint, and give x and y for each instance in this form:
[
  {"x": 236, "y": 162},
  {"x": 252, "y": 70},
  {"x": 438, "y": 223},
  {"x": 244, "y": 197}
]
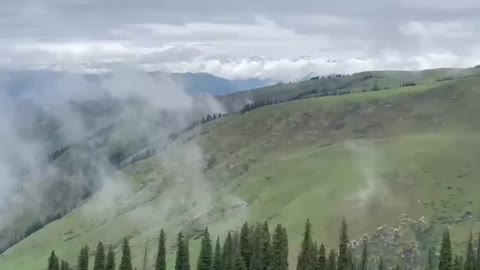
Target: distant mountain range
[
  {"x": 23, "y": 82},
  {"x": 199, "y": 83}
]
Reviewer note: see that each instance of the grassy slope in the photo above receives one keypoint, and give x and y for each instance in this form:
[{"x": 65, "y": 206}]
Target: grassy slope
[
  {"x": 313, "y": 158},
  {"x": 355, "y": 82}
]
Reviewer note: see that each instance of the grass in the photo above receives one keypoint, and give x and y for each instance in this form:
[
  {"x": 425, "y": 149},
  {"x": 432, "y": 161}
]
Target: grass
[
  {"x": 378, "y": 155},
  {"x": 359, "y": 82}
]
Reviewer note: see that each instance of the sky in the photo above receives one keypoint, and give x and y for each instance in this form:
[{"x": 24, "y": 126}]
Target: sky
[{"x": 274, "y": 39}]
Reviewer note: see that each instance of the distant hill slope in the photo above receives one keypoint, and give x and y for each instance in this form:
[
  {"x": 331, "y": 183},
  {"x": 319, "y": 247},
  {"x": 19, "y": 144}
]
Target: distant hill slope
[
  {"x": 395, "y": 161},
  {"x": 26, "y": 81},
  {"x": 201, "y": 83},
  {"x": 340, "y": 84}
]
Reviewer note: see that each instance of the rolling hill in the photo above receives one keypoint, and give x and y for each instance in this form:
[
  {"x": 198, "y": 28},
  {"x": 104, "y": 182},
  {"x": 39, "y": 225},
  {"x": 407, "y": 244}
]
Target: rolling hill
[
  {"x": 396, "y": 161},
  {"x": 341, "y": 84},
  {"x": 22, "y": 82}
]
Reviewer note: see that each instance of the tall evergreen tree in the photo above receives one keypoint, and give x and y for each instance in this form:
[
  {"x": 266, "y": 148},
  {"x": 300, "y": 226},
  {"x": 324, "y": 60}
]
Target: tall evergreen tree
[
  {"x": 266, "y": 247},
  {"x": 187, "y": 253},
  {"x": 110, "y": 264},
  {"x": 343, "y": 260},
  {"x": 257, "y": 259},
  {"x": 56, "y": 264},
  {"x": 245, "y": 243},
  {"x": 180, "y": 256},
  {"x": 279, "y": 249},
  {"x": 307, "y": 258},
  {"x": 445, "y": 259},
  {"x": 322, "y": 258},
  {"x": 83, "y": 259},
  {"x": 161, "y": 262},
  {"x": 364, "y": 261},
  {"x": 228, "y": 252},
  {"x": 205, "y": 256},
  {"x": 99, "y": 263},
  {"x": 126, "y": 260},
  {"x": 332, "y": 261},
  {"x": 470, "y": 255},
  {"x": 238, "y": 263},
  {"x": 217, "y": 257},
  {"x": 182, "y": 261},
  {"x": 51, "y": 260}
]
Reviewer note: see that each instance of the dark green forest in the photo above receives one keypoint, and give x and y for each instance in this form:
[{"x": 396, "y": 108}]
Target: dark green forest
[{"x": 256, "y": 248}]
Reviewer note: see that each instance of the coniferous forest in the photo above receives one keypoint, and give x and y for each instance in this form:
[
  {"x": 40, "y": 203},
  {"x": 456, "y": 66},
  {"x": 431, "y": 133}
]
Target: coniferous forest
[{"x": 256, "y": 248}]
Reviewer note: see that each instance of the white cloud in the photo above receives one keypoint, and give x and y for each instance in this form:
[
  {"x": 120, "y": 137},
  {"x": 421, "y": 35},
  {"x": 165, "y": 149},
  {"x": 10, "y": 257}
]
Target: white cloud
[
  {"x": 296, "y": 69},
  {"x": 191, "y": 36}
]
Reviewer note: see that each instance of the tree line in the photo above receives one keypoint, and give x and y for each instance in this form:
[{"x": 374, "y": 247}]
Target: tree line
[
  {"x": 256, "y": 248},
  {"x": 310, "y": 94}
]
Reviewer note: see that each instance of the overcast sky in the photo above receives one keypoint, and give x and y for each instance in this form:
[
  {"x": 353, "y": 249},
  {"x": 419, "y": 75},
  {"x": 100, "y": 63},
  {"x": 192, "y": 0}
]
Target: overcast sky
[{"x": 221, "y": 37}]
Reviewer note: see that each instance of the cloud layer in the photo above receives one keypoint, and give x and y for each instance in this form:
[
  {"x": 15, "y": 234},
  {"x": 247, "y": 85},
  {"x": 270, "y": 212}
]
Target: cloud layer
[{"x": 193, "y": 36}]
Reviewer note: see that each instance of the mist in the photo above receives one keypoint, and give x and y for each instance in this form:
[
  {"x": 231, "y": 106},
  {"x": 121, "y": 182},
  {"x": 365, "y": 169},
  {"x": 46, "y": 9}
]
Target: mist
[
  {"x": 367, "y": 161},
  {"x": 68, "y": 144}
]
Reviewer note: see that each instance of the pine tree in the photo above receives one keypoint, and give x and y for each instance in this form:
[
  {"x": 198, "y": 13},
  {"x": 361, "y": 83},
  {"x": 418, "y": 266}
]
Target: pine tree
[
  {"x": 186, "y": 265},
  {"x": 56, "y": 264},
  {"x": 182, "y": 261},
  {"x": 343, "y": 260},
  {"x": 322, "y": 258},
  {"x": 307, "y": 258},
  {"x": 380, "y": 264},
  {"x": 470, "y": 256},
  {"x": 245, "y": 244},
  {"x": 445, "y": 259},
  {"x": 228, "y": 252},
  {"x": 238, "y": 263},
  {"x": 126, "y": 260},
  {"x": 51, "y": 260},
  {"x": 110, "y": 265},
  {"x": 217, "y": 257},
  {"x": 331, "y": 261},
  {"x": 99, "y": 263},
  {"x": 83, "y": 259},
  {"x": 364, "y": 262},
  {"x": 257, "y": 260},
  {"x": 180, "y": 249},
  {"x": 266, "y": 247},
  {"x": 161, "y": 262},
  {"x": 205, "y": 256},
  {"x": 279, "y": 249}
]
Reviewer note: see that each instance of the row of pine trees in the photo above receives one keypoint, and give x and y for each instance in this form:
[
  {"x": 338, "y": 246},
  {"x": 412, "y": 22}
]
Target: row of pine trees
[{"x": 255, "y": 248}]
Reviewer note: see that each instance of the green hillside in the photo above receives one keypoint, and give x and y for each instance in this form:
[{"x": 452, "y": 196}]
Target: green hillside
[
  {"x": 338, "y": 84},
  {"x": 402, "y": 158}
]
